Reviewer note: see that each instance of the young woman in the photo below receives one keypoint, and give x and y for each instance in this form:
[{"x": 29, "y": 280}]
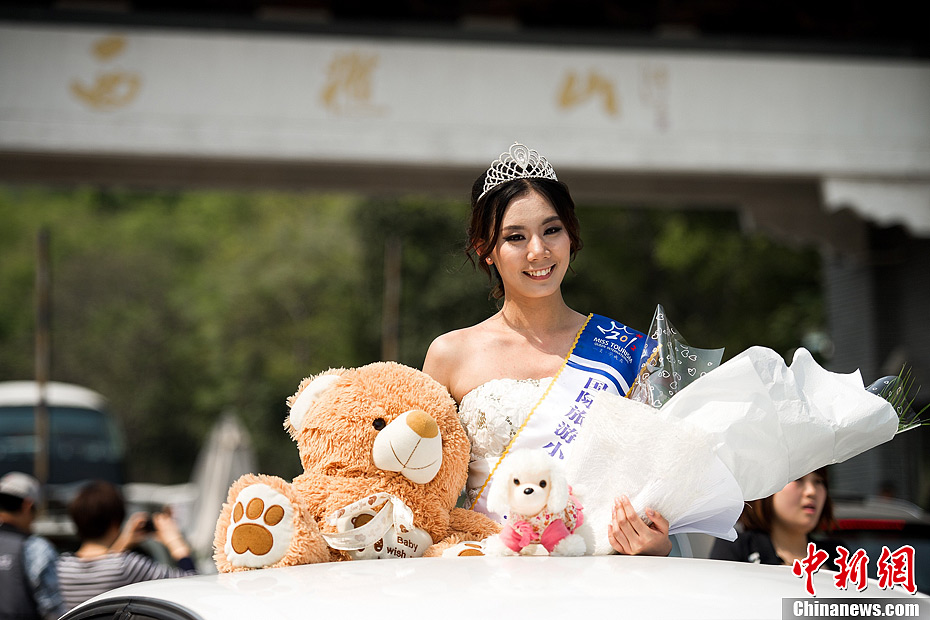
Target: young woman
[
  {"x": 104, "y": 561},
  {"x": 524, "y": 234},
  {"x": 777, "y": 529}
]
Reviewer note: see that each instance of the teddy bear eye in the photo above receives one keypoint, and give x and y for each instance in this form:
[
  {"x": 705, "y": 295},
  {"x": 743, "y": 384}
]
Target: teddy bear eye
[
  {"x": 516, "y": 482},
  {"x": 379, "y": 423},
  {"x": 542, "y": 484}
]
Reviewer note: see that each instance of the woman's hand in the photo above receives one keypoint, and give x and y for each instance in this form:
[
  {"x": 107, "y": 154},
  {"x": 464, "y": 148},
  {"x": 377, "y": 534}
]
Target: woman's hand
[
  {"x": 629, "y": 535},
  {"x": 132, "y": 534},
  {"x": 169, "y": 534}
]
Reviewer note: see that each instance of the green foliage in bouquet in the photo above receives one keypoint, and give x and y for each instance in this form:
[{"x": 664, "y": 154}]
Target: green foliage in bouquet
[{"x": 897, "y": 390}]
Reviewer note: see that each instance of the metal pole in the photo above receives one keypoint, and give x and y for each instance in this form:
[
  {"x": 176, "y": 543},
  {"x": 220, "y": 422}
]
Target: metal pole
[{"x": 42, "y": 356}]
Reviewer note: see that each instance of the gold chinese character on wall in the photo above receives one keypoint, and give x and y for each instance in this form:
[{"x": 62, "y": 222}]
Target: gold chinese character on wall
[
  {"x": 112, "y": 88},
  {"x": 348, "y": 87},
  {"x": 577, "y": 89}
]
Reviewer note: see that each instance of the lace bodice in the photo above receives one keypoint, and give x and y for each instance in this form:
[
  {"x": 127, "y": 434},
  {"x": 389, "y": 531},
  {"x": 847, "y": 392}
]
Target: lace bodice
[{"x": 492, "y": 413}]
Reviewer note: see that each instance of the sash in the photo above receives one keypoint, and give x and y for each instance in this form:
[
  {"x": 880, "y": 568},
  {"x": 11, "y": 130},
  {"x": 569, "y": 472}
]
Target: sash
[{"x": 605, "y": 356}]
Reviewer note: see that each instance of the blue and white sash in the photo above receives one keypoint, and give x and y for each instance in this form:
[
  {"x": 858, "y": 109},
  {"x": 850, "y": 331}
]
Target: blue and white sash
[{"x": 604, "y": 357}]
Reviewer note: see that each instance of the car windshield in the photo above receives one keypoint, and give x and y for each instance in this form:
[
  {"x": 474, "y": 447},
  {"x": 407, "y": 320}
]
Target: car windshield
[{"x": 84, "y": 443}]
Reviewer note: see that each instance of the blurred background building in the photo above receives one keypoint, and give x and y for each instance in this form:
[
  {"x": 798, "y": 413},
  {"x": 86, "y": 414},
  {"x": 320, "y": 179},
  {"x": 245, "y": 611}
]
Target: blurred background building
[{"x": 811, "y": 120}]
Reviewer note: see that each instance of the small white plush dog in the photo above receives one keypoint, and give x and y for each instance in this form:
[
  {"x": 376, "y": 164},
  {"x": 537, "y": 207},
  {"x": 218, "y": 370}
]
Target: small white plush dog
[{"x": 531, "y": 490}]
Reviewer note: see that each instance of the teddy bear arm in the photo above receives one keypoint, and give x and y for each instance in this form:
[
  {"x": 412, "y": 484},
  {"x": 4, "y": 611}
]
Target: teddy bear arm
[
  {"x": 465, "y": 525},
  {"x": 475, "y": 525},
  {"x": 264, "y": 524}
]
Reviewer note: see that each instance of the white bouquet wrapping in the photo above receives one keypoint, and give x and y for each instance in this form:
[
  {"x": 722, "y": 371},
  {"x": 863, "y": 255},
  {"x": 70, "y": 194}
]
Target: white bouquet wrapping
[{"x": 738, "y": 433}]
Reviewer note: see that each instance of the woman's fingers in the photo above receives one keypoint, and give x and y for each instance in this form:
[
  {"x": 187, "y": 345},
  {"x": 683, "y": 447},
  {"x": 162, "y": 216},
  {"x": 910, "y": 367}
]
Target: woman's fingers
[
  {"x": 627, "y": 519},
  {"x": 658, "y": 521},
  {"x": 618, "y": 540},
  {"x": 629, "y": 534},
  {"x": 624, "y": 537}
]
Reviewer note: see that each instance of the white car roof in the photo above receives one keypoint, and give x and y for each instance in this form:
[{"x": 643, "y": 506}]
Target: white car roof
[
  {"x": 20, "y": 393},
  {"x": 490, "y": 587}
]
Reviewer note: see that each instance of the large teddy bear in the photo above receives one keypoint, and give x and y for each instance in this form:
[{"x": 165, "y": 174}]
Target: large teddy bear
[{"x": 384, "y": 458}]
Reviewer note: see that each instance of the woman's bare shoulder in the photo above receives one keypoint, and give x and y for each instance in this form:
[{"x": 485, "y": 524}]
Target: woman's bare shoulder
[
  {"x": 451, "y": 347},
  {"x": 450, "y": 357}
]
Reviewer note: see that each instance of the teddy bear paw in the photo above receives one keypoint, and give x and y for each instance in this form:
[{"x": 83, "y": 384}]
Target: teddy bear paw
[
  {"x": 465, "y": 549},
  {"x": 261, "y": 527}
]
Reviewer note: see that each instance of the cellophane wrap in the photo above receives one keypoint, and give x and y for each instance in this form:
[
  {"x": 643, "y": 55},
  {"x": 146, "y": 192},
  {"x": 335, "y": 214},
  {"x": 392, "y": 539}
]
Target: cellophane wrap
[
  {"x": 736, "y": 434},
  {"x": 668, "y": 363}
]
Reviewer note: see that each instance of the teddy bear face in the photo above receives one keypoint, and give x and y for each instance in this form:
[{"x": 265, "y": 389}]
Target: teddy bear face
[{"x": 383, "y": 422}]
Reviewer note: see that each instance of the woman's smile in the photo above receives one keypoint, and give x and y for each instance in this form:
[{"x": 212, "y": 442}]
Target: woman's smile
[{"x": 540, "y": 274}]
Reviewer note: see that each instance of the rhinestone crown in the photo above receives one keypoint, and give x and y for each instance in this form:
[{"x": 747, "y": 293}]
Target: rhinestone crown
[{"x": 519, "y": 162}]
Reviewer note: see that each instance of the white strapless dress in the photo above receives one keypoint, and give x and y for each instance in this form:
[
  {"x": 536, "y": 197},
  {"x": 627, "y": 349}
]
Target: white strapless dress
[{"x": 491, "y": 414}]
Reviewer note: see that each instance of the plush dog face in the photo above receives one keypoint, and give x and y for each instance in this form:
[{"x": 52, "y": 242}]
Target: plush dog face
[
  {"x": 384, "y": 423},
  {"x": 527, "y": 482},
  {"x": 528, "y": 492}
]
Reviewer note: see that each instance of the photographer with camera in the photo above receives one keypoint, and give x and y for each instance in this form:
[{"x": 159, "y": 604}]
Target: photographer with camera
[{"x": 104, "y": 560}]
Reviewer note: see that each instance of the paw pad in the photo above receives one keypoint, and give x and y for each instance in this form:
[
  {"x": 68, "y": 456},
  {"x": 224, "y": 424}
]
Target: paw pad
[
  {"x": 464, "y": 550},
  {"x": 471, "y": 549},
  {"x": 261, "y": 527}
]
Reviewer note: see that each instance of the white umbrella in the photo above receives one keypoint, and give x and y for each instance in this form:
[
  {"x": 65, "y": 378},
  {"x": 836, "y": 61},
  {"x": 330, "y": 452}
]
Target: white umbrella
[{"x": 226, "y": 455}]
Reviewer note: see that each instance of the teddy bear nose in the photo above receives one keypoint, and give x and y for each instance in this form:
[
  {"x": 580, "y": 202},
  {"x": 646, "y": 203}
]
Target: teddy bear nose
[
  {"x": 411, "y": 445},
  {"x": 422, "y": 424},
  {"x": 528, "y": 491}
]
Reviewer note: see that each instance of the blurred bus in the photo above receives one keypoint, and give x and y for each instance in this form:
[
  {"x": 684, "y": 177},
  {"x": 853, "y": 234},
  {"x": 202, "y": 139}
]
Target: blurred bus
[{"x": 84, "y": 441}]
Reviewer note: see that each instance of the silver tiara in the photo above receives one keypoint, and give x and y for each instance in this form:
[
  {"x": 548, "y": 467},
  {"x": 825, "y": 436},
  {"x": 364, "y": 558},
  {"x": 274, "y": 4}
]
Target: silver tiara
[{"x": 519, "y": 162}]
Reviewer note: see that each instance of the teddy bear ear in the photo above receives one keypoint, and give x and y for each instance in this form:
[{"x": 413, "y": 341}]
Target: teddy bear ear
[{"x": 309, "y": 395}]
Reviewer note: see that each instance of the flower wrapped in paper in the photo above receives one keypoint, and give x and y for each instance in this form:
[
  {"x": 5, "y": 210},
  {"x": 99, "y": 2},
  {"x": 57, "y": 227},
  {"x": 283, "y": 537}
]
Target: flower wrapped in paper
[{"x": 738, "y": 433}]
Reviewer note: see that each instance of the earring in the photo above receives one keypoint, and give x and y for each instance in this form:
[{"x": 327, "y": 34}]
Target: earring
[{"x": 489, "y": 260}]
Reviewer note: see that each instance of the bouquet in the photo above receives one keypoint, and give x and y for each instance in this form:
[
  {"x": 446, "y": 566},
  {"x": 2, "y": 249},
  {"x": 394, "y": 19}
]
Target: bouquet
[{"x": 695, "y": 440}]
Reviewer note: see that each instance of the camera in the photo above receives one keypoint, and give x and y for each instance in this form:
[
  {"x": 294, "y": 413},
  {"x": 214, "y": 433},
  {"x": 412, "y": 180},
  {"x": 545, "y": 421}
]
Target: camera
[{"x": 148, "y": 525}]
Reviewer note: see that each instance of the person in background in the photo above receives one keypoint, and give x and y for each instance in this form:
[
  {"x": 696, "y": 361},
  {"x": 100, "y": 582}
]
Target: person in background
[
  {"x": 777, "y": 529},
  {"x": 28, "y": 579},
  {"x": 104, "y": 560}
]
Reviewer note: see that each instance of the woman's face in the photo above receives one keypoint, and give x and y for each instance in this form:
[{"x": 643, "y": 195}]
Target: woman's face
[
  {"x": 533, "y": 249},
  {"x": 798, "y": 506}
]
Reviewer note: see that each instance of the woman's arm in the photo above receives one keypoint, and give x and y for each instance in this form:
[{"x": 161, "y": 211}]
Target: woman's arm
[
  {"x": 169, "y": 534},
  {"x": 442, "y": 359},
  {"x": 131, "y": 534}
]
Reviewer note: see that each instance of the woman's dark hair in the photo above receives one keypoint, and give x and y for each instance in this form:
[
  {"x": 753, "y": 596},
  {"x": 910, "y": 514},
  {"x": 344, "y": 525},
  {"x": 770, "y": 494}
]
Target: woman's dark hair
[
  {"x": 487, "y": 212},
  {"x": 759, "y": 513},
  {"x": 96, "y": 508}
]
